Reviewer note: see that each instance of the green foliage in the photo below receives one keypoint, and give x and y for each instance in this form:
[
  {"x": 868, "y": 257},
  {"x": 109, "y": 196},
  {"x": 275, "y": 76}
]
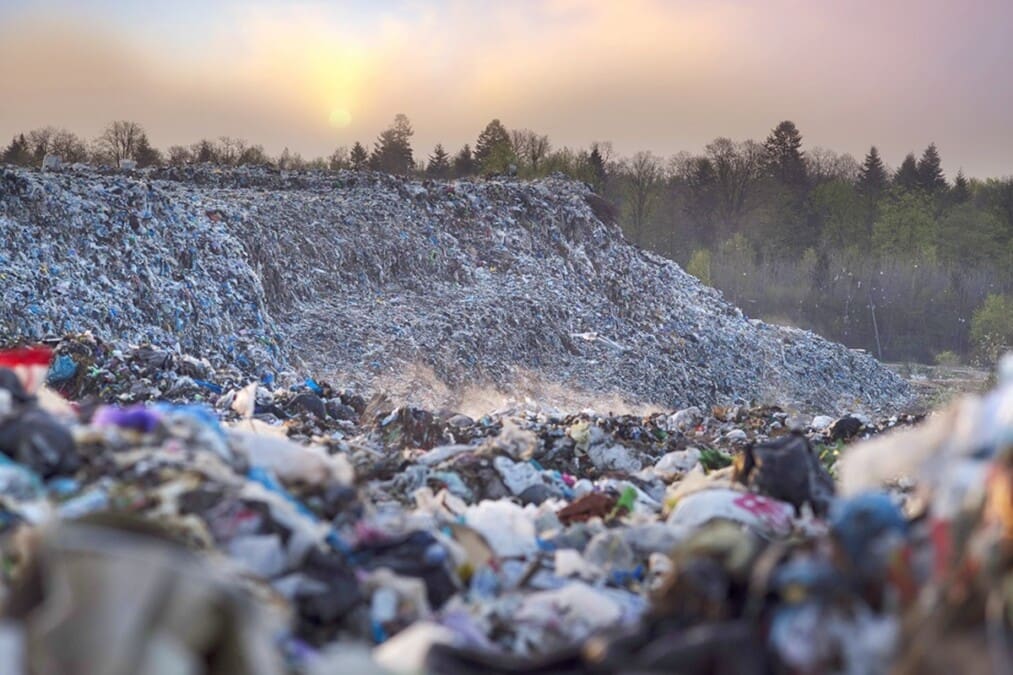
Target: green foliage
[
  {"x": 596, "y": 167},
  {"x": 494, "y": 151},
  {"x": 439, "y": 163},
  {"x": 498, "y": 160},
  {"x": 17, "y": 152},
  {"x": 992, "y": 328},
  {"x": 872, "y": 178},
  {"x": 947, "y": 358},
  {"x": 907, "y": 176},
  {"x": 906, "y": 225},
  {"x": 464, "y": 162},
  {"x": 393, "y": 150},
  {"x": 358, "y": 157},
  {"x": 840, "y": 211},
  {"x": 712, "y": 460},
  {"x": 783, "y": 155},
  {"x": 961, "y": 193},
  {"x": 829, "y": 454},
  {"x": 969, "y": 236},
  {"x": 700, "y": 265},
  {"x": 930, "y": 171}
]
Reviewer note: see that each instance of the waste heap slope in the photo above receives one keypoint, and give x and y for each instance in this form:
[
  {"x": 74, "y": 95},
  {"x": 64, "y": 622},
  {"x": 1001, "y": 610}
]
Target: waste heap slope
[{"x": 496, "y": 283}]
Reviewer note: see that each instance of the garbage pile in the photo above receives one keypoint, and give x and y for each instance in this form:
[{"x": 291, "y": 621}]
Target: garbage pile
[
  {"x": 306, "y": 529},
  {"x": 421, "y": 289}
]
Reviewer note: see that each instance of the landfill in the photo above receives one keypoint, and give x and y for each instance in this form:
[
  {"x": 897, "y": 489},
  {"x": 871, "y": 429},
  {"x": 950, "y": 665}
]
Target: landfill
[
  {"x": 438, "y": 293},
  {"x": 207, "y": 465},
  {"x": 162, "y": 515}
]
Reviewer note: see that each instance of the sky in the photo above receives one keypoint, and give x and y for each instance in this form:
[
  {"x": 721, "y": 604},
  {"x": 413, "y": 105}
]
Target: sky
[{"x": 659, "y": 75}]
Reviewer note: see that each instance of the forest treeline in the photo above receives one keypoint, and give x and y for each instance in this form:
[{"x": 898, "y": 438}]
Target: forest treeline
[{"x": 900, "y": 262}]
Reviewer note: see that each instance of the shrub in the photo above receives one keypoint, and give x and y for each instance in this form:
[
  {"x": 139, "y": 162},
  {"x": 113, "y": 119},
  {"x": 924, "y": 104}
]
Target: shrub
[
  {"x": 947, "y": 358},
  {"x": 700, "y": 265},
  {"x": 992, "y": 328}
]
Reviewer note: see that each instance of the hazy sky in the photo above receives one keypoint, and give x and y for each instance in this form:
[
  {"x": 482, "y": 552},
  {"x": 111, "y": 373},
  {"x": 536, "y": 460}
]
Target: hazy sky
[{"x": 664, "y": 75}]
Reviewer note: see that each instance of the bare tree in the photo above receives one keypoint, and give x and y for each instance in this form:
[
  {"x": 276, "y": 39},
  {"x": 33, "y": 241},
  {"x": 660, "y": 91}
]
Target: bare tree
[
  {"x": 119, "y": 140},
  {"x": 230, "y": 150},
  {"x": 40, "y": 142},
  {"x": 339, "y": 159},
  {"x": 824, "y": 165},
  {"x": 737, "y": 168},
  {"x": 68, "y": 146},
  {"x": 179, "y": 155},
  {"x": 531, "y": 147},
  {"x": 645, "y": 171},
  {"x": 538, "y": 147}
]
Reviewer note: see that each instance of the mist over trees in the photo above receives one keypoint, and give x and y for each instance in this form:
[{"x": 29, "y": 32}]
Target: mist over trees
[{"x": 898, "y": 262}]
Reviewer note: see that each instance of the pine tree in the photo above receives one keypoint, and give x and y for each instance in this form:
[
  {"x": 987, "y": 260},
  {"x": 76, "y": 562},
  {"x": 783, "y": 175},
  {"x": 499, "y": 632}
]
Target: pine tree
[
  {"x": 930, "y": 171},
  {"x": 493, "y": 150},
  {"x": 17, "y": 152},
  {"x": 961, "y": 193},
  {"x": 464, "y": 162},
  {"x": 872, "y": 177},
  {"x": 783, "y": 155},
  {"x": 358, "y": 157},
  {"x": 439, "y": 163},
  {"x": 393, "y": 151},
  {"x": 145, "y": 154},
  {"x": 907, "y": 177},
  {"x": 597, "y": 165}
]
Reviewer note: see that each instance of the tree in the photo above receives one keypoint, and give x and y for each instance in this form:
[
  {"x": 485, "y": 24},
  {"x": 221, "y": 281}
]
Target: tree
[
  {"x": 699, "y": 265},
  {"x": 254, "y": 155},
  {"x": 992, "y": 328},
  {"x": 736, "y": 168},
  {"x": 439, "y": 163},
  {"x": 291, "y": 161},
  {"x": 68, "y": 146},
  {"x": 784, "y": 157},
  {"x": 596, "y": 165},
  {"x": 358, "y": 157},
  {"x": 907, "y": 176},
  {"x": 906, "y": 225},
  {"x": 930, "y": 171},
  {"x": 872, "y": 177},
  {"x": 204, "y": 152},
  {"x": 493, "y": 151},
  {"x": 530, "y": 147},
  {"x": 961, "y": 193},
  {"x": 338, "y": 159},
  {"x": 645, "y": 173},
  {"x": 39, "y": 142},
  {"x": 824, "y": 165},
  {"x": 144, "y": 154},
  {"x": 119, "y": 141},
  {"x": 229, "y": 149},
  {"x": 969, "y": 237},
  {"x": 17, "y": 152},
  {"x": 179, "y": 155},
  {"x": 393, "y": 151},
  {"x": 839, "y": 209},
  {"x": 464, "y": 162}
]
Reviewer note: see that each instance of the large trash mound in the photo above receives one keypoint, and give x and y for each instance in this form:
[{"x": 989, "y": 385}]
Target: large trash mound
[{"x": 377, "y": 281}]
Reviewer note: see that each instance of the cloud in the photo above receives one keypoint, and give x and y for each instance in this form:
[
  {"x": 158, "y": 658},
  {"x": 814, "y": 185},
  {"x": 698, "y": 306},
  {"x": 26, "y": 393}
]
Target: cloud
[{"x": 659, "y": 74}]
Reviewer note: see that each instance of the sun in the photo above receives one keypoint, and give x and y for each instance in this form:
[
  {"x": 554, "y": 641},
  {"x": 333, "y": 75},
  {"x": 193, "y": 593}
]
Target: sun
[{"x": 340, "y": 118}]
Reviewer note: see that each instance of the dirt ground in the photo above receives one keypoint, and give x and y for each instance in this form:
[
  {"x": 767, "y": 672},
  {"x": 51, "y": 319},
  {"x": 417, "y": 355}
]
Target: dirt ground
[{"x": 938, "y": 385}]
